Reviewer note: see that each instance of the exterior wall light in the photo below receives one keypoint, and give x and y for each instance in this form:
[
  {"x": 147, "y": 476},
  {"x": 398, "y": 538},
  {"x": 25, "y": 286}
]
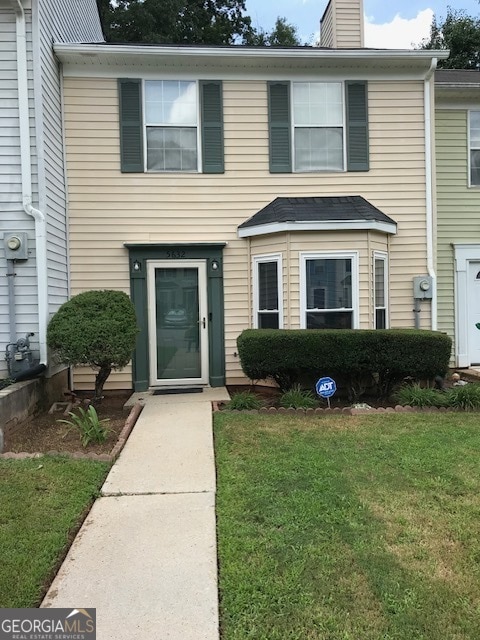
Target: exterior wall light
[
  {"x": 215, "y": 265},
  {"x": 137, "y": 265}
]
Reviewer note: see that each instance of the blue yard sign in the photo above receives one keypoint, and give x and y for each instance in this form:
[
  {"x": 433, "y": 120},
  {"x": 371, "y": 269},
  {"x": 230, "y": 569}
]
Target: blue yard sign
[{"x": 326, "y": 387}]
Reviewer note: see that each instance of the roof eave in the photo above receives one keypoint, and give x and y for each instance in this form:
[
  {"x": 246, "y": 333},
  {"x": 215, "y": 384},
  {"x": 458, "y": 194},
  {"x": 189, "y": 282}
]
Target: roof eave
[{"x": 389, "y": 228}]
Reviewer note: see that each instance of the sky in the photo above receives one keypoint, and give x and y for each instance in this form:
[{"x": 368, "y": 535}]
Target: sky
[{"x": 390, "y": 24}]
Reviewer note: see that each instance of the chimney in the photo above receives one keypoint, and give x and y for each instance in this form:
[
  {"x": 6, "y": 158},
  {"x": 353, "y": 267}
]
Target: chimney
[{"x": 341, "y": 26}]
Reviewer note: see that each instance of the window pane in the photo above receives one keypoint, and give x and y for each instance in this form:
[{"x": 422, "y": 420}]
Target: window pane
[
  {"x": 170, "y": 102},
  {"x": 267, "y": 286},
  {"x": 268, "y": 320},
  {"x": 318, "y": 103},
  {"x": 475, "y": 129},
  {"x": 379, "y": 283},
  {"x": 475, "y": 167},
  {"x": 329, "y": 283},
  {"x": 329, "y": 320},
  {"x": 318, "y": 149},
  {"x": 171, "y": 149},
  {"x": 380, "y": 319}
]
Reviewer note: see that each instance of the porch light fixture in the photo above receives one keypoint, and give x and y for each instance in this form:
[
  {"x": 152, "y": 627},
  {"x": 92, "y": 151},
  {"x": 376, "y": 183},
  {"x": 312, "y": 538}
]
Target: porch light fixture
[
  {"x": 215, "y": 265},
  {"x": 137, "y": 265}
]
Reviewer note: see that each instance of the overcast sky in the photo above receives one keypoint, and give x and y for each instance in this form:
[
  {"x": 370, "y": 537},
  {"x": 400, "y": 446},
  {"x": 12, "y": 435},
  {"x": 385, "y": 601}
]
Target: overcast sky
[{"x": 392, "y": 24}]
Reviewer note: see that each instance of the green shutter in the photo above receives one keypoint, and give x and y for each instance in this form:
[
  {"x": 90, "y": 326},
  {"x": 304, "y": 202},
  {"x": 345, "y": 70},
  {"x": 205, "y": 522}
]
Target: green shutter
[
  {"x": 357, "y": 126},
  {"x": 131, "y": 125},
  {"x": 279, "y": 127},
  {"x": 211, "y": 108}
]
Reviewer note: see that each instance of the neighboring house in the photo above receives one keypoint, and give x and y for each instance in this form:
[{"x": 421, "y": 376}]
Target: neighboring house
[
  {"x": 33, "y": 221},
  {"x": 234, "y": 187},
  {"x": 458, "y": 207}
]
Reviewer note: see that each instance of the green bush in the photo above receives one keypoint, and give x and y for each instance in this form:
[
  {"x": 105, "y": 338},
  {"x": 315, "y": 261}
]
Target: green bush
[
  {"x": 416, "y": 396},
  {"x": 359, "y": 357},
  {"x": 95, "y": 328},
  {"x": 298, "y": 398},
  {"x": 244, "y": 401},
  {"x": 466, "y": 397}
]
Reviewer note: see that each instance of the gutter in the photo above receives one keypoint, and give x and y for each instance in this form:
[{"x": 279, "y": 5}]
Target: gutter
[
  {"x": 429, "y": 188},
  {"x": 26, "y": 168}
]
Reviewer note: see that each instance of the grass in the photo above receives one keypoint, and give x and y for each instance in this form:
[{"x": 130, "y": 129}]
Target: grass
[
  {"x": 41, "y": 502},
  {"x": 349, "y": 528}
]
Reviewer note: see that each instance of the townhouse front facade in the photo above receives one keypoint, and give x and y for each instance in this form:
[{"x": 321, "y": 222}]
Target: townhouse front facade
[{"x": 232, "y": 187}]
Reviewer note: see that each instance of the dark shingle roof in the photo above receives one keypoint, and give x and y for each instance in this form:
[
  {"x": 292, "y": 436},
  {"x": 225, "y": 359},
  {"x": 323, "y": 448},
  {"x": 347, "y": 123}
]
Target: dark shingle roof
[
  {"x": 457, "y": 76},
  {"x": 317, "y": 209}
]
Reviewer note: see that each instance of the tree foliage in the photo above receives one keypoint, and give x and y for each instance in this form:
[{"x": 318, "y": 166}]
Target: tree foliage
[
  {"x": 209, "y": 22},
  {"x": 283, "y": 34},
  {"x": 460, "y": 33},
  {"x": 95, "y": 328}
]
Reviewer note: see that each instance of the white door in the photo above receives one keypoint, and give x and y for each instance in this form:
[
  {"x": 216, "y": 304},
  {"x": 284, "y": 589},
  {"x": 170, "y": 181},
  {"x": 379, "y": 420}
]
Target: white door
[
  {"x": 177, "y": 322},
  {"x": 473, "y": 304}
]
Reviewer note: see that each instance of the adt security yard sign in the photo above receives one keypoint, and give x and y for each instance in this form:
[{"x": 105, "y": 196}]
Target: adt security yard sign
[{"x": 326, "y": 387}]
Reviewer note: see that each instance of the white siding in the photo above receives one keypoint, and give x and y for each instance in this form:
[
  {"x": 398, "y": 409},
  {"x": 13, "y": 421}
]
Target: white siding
[{"x": 12, "y": 216}]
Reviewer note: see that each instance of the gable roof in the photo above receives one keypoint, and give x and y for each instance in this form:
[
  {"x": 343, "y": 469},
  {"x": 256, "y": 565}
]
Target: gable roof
[{"x": 322, "y": 213}]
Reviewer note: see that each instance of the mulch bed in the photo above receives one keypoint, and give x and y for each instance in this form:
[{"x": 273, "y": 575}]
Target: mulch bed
[{"x": 44, "y": 433}]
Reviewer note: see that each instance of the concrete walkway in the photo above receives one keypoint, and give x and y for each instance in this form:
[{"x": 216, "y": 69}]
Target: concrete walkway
[{"x": 145, "y": 557}]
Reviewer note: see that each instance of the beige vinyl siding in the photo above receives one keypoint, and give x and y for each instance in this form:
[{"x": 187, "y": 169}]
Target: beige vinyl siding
[
  {"x": 342, "y": 24},
  {"x": 458, "y": 206},
  {"x": 327, "y": 27},
  {"x": 349, "y": 23},
  {"x": 108, "y": 208}
]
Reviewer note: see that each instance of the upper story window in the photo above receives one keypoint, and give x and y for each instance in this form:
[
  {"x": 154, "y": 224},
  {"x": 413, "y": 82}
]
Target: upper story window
[
  {"x": 171, "y": 125},
  {"x": 267, "y": 292},
  {"x": 329, "y": 291},
  {"x": 474, "y": 135},
  {"x": 318, "y": 126}
]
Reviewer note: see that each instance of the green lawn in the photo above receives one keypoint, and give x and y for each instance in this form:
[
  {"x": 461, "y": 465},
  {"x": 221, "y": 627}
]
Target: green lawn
[
  {"x": 349, "y": 528},
  {"x": 41, "y": 501}
]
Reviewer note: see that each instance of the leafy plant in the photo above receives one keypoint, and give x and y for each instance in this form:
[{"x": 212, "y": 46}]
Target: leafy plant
[
  {"x": 244, "y": 401},
  {"x": 87, "y": 422},
  {"x": 416, "y": 396},
  {"x": 466, "y": 397},
  {"x": 298, "y": 398}
]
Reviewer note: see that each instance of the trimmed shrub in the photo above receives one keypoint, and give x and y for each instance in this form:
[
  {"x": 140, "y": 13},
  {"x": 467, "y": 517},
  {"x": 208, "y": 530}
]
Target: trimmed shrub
[
  {"x": 95, "y": 328},
  {"x": 383, "y": 357}
]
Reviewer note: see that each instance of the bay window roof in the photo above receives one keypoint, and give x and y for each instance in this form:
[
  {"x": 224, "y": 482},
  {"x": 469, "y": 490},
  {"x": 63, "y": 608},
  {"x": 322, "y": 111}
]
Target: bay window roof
[{"x": 322, "y": 213}]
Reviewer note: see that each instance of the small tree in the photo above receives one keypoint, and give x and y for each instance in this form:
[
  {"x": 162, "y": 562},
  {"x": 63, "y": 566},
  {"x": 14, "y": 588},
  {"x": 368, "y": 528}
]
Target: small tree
[{"x": 96, "y": 328}]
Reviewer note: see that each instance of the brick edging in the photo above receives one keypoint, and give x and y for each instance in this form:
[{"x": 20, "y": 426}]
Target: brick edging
[
  {"x": 80, "y": 455},
  {"x": 345, "y": 411}
]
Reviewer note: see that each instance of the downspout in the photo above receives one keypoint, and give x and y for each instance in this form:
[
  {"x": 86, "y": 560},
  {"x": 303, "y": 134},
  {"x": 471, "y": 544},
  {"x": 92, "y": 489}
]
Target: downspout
[
  {"x": 26, "y": 168},
  {"x": 429, "y": 189}
]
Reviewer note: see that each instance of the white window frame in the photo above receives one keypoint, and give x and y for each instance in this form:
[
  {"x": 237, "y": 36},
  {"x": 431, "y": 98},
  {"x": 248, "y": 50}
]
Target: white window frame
[
  {"x": 330, "y": 255},
  {"x": 256, "y": 260},
  {"x": 381, "y": 255},
  {"x": 145, "y": 125},
  {"x": 469, "y": 150},
  {"x": 293, "y": 126}
]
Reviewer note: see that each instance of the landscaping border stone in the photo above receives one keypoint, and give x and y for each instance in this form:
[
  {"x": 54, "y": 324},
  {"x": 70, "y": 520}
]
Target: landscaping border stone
[
  {"x": 100, "y": 457},
  {"x": 345, "y": 411}
]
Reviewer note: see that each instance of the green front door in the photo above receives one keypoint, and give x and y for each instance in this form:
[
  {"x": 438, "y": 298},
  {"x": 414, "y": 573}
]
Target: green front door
[{"x": 177, "y": 323}]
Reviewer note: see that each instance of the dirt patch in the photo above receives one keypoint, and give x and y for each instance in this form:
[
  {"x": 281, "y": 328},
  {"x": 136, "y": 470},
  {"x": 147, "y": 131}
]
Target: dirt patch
[{"x": 44, "y": 432}]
